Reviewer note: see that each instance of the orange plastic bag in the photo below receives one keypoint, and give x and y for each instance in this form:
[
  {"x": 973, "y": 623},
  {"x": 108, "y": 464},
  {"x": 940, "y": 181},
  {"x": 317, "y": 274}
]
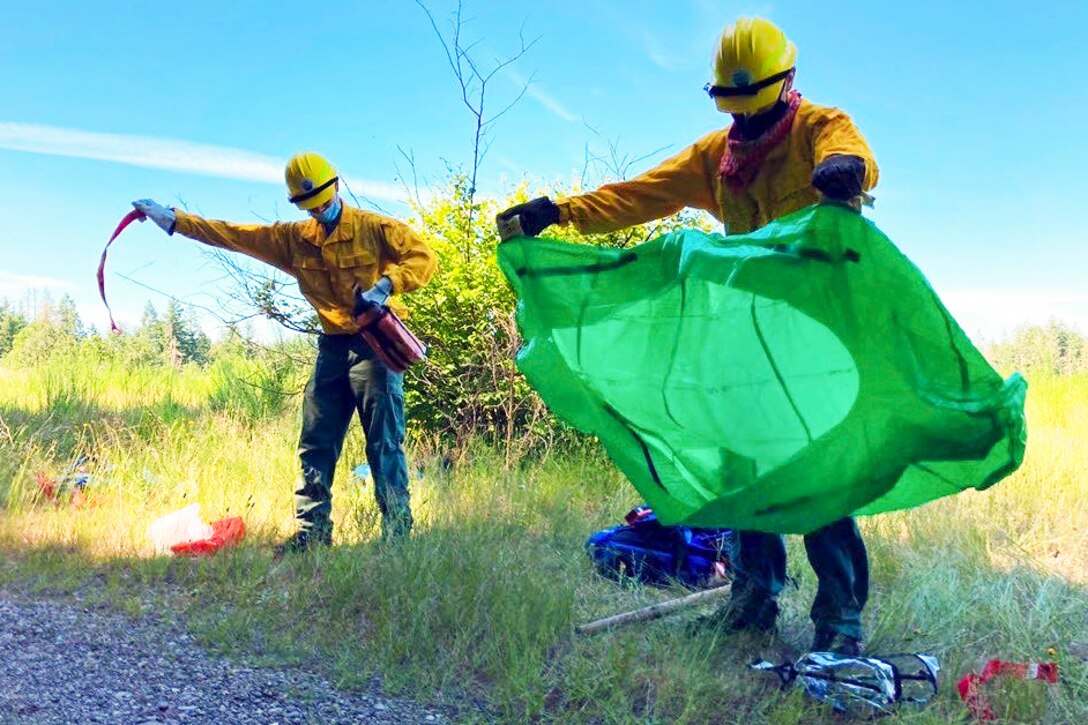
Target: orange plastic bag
[{"x": 225, "y": 532}]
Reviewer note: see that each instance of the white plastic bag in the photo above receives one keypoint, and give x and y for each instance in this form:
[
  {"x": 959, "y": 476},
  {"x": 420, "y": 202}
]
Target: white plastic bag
[{"x": 178, "y": 528}]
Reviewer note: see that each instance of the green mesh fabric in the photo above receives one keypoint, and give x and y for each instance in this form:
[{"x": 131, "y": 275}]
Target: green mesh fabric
[{"x": 772, "y": 381}]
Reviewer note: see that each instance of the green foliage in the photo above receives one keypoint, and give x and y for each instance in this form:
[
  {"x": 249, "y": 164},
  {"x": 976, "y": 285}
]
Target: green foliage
[
  {"x": 470, "y": 386},
  {"x": 11, "y": 322},
  {"x": 1051, "y": 349},
  {"x": 184, "y": 340},
  {"x": 255, "y": 382},
  {"x": 67, "y": 319},
  {"x": 56, "y": 331},
  {"x": 273, "y": 298},
  {"x": 172, "y": 339}
]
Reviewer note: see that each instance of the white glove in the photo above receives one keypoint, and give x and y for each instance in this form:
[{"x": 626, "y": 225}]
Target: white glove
[
  {"x": 377, "y": 295},
  {"x": 161, "y": 215}
]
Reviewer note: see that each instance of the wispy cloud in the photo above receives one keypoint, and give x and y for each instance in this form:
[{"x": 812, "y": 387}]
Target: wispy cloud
[
  {"x": 657, "y": 54},
  {"x": 165, "y": 153},
  {"x": 541, "y": 97},
  {"x": 509, "y": 165},
  {"x": 13, "y": 284}
]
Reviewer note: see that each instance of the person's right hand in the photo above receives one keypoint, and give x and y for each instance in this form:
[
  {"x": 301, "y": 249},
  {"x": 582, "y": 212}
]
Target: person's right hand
[
  {"x": 161, "y": 215},
  {"x": 839, "y": 177},
  {"x": 535, "y": 216}
]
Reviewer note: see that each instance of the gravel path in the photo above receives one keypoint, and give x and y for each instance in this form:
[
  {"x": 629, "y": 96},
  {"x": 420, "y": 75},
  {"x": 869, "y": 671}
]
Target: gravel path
[{"x": 64, "y": 664}]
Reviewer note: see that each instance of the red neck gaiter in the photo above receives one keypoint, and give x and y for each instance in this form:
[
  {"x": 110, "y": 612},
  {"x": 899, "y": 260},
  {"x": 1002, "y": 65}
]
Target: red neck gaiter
[{"x": 743, "y": 157}]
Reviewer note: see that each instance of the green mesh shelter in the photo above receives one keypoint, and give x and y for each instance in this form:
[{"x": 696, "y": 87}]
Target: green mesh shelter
[{"x": 772, "y": 381}]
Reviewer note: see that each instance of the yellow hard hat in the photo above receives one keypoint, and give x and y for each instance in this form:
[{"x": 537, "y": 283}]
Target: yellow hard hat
[
  {"x": 753, "y": 61},
  {"x": 311, "y": 180}
]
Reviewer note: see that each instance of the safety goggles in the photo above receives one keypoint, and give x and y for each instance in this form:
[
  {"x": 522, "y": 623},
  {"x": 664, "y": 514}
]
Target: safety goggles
[
  {"x": 313, "y": 192},
  {"x": 747, "y": 90}
]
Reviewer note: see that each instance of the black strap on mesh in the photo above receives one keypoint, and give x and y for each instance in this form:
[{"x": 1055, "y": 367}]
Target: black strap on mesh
[
  {"x": 749, "y": 90},
  {"x": 313, "y": 192}
]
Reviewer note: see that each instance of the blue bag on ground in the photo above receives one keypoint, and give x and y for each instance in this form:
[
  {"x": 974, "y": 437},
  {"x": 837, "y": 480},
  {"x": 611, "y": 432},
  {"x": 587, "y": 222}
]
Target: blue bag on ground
[{"x": 645, "y": 550}]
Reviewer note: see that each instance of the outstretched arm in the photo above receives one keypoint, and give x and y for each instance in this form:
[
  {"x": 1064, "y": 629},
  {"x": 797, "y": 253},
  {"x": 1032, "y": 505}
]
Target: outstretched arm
[
  {"x": 267, "y": 242},
  {"x": 686, "y": 179}
]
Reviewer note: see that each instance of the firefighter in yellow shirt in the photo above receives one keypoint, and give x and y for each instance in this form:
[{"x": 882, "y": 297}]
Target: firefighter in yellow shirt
[
  {"x": 335, "y": 254},
  {"x": 780, "y": 154}
]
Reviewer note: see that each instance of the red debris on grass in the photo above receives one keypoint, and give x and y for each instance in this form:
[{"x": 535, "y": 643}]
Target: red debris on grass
[
  {"x": 225, "y": 533},
  {"x": 47, "y": 485},
  {"x": 970, "y": 686}
]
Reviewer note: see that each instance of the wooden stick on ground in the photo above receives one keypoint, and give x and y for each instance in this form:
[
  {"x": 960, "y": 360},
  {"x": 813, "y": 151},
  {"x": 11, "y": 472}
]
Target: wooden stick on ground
[{"x": 654, "y": 611}]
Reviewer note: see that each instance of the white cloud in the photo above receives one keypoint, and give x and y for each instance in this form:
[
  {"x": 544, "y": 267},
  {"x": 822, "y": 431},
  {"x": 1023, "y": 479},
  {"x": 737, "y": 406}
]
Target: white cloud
[
  {"x": 15, "y": 284},
  {"x": 541, "y": 97},
  {"x": 165, "y": 153}
]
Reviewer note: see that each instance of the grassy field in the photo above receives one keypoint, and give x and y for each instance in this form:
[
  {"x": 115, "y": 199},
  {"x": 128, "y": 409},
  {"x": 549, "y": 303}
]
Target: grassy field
[{"x": 477, "y": 609}]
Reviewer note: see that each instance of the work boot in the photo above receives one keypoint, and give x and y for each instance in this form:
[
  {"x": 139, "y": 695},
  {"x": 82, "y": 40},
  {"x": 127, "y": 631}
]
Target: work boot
[
  {"x": 396, "y": 529},
  {"x": 836, "y": 642},
  {"x": 302, "y": 540}
]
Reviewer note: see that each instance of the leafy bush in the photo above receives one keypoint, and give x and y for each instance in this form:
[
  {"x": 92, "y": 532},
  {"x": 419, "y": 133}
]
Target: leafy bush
[{"x": 470, "y": 386}]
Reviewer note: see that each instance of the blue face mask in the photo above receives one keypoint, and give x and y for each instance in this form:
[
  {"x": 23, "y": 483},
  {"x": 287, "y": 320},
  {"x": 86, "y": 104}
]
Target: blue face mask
[{"x": 329, "y": 215}]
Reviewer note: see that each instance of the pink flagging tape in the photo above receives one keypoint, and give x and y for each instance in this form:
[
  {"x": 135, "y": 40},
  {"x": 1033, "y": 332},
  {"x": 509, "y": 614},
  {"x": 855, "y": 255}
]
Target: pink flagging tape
[{"x": 129, "y": 218}]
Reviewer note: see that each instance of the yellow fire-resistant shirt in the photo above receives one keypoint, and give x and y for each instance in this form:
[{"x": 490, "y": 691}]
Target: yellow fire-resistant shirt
[
  {"x": 692, "y": 179},
  {"x": 361, "y": 249}
]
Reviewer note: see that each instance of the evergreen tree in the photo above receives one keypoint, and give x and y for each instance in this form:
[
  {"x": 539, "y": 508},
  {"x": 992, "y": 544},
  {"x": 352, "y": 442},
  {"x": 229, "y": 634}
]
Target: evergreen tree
[
  {"x": 11, "y": 322},
  {"x": 145, "y": 345},
  {"x": 67, "y": 318},
  {"x": 184, "y": 341}
]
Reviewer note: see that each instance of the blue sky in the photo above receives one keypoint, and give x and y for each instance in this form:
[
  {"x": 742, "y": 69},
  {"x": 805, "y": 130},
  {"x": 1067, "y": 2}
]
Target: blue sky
[{"x": 975, "y": 111}]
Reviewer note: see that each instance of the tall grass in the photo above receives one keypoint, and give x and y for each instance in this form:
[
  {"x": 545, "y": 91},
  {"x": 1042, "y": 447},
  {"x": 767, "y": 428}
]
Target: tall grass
[{"x": 478, "y": 607}]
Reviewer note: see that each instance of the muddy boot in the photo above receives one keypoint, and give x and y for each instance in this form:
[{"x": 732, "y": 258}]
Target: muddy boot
[{"x": 836, "y": 642}]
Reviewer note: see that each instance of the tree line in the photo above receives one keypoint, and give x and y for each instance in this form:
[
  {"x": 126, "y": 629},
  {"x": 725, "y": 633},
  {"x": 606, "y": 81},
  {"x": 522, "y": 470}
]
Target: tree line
[{"x": 172, "y": 338}]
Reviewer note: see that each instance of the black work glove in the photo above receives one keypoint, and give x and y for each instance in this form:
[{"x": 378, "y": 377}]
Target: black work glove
[
  {"x": 839, "y": 177},
  {"x": 535, "y": 216}
]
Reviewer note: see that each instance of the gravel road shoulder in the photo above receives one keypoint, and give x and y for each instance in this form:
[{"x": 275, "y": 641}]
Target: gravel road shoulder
[{"x": 65, "y": 663}]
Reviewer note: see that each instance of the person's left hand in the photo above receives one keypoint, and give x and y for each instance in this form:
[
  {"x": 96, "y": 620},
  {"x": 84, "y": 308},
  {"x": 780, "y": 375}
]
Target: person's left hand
[
  {"x": 839, "y": 177},
  {"x": 376, "y": 296}
]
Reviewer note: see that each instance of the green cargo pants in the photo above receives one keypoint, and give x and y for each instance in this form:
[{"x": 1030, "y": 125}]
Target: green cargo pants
[
  {"x": 838, "y": 557},
  {"x": 348, "y": 378}
]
